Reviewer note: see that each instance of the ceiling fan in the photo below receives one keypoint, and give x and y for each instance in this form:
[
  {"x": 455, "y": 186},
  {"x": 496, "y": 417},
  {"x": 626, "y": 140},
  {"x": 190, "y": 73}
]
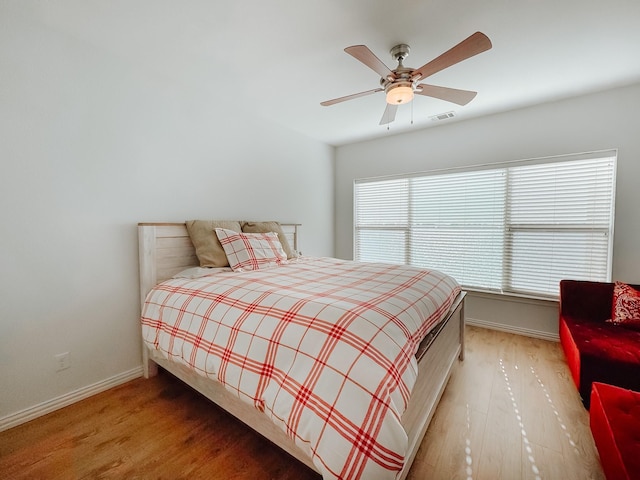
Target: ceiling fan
[{"x": 401, "y": 83}]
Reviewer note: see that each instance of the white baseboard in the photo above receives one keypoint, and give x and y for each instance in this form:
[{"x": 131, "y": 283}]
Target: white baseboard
[
  {"x": 527, "y": 332},
  {"x": 31, "y": 413}
]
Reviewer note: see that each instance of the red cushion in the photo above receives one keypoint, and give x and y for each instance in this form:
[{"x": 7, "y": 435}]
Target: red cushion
[
  {"x": 615, "y": 425},
  {"x": 600, "y": 352},
  {"x": 571, "y": 351}
]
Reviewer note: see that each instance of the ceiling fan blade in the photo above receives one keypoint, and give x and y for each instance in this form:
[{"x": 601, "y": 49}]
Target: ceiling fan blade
[
  {"x": 473, "y": 45},
  {"x": 389, "y": 114},
  {"x": 326, "y": 103},
  {"x": 461, "y": 97},
  {"x": 366, "y": 56}
]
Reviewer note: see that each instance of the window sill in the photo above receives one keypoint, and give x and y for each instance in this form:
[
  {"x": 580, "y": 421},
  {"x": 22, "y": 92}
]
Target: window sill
[{"x": 512, "y": 297}]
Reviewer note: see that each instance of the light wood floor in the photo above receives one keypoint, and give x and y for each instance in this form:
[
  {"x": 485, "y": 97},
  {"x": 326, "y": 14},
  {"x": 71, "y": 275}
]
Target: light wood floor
[{"x": 510, "y": 412}]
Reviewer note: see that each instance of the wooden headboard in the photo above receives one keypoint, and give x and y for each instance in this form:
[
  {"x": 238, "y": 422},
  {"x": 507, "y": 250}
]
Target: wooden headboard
[{"x": 165, "y": 249}]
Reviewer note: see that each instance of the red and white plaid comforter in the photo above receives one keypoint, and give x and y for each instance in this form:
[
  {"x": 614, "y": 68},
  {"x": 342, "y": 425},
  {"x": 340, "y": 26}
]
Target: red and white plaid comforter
[{"x": 324, "y": 347}]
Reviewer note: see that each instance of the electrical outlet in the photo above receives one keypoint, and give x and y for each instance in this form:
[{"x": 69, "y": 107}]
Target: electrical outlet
[{"x": 62, "y": 361}]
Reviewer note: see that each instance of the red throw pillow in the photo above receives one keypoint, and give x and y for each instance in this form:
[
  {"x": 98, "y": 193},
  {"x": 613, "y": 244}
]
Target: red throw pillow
[{"x": 626, "y": 306}]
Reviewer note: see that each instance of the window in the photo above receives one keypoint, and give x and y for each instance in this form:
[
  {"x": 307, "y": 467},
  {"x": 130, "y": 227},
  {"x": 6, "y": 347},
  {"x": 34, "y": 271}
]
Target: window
[{"x": 519, "y": 228}]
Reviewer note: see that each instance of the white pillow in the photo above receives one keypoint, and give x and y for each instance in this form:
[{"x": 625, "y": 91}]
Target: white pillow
[
  {"x": 251, "y": 251},
  {"x": 198, "y": 272}
]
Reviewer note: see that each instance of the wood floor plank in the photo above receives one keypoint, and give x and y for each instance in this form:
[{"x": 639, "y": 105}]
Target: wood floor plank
[
  {"x": 535, "y": 425},
  {"x": 510, "y": 411}
]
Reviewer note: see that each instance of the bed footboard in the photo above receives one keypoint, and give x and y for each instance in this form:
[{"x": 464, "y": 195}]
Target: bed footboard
[{"x": 434, "y": 369}]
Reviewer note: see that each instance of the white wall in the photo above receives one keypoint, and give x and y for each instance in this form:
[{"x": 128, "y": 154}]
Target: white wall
[
  {"x": 90, "y": 145},
  {"x": 593, "y": 122}
]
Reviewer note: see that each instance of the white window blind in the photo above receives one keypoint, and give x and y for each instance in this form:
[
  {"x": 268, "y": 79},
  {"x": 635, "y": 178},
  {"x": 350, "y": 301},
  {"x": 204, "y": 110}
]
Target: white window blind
[{"x": 520, "y": 228}]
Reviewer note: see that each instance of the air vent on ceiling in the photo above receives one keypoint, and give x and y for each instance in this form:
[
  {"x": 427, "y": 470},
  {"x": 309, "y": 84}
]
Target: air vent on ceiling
[{"x": 442, "y": 116}]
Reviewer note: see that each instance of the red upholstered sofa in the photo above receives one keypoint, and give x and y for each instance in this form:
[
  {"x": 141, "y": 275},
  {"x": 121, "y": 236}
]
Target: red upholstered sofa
[
  {"x": 615, "y": 423},
  {"x": 596, "y": 350}
]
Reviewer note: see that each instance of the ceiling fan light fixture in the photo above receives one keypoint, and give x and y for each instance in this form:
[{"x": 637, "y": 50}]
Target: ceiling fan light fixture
[{"x": 399, "y": 95}]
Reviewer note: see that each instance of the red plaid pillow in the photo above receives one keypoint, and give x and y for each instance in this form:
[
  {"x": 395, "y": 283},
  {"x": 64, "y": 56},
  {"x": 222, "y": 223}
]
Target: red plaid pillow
[
  {"x": 251, "y": 251},
  {"x": 626, "y": 306}
]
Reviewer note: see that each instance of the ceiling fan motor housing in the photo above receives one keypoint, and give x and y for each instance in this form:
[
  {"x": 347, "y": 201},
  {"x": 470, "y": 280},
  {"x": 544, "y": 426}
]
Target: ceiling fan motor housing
[{"x": 399, "y": 86}]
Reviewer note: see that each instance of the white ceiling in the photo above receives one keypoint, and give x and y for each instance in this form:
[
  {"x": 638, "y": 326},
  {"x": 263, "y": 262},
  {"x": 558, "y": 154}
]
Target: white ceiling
[{"x": 286, "y": 56}]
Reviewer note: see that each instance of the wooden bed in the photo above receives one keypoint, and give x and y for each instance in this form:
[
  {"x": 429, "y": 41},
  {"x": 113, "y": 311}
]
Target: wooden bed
[{"x": 166, "y": 249}]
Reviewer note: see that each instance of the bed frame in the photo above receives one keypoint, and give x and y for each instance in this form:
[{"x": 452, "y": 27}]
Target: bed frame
[{"x": 165, "y": 249}]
